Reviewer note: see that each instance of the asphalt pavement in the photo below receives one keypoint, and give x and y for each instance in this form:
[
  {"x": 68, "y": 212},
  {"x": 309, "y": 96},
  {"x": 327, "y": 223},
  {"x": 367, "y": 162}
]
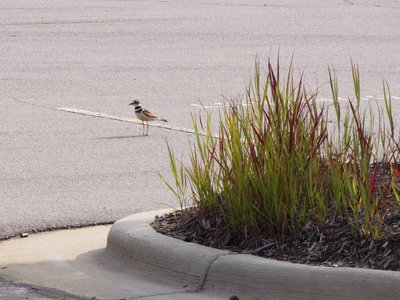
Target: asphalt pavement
[{"x": 62, "y": 170}]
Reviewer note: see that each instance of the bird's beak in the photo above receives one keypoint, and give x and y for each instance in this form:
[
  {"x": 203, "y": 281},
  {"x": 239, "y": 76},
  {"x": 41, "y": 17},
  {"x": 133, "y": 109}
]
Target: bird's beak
[{"x": 131, "y": 103}]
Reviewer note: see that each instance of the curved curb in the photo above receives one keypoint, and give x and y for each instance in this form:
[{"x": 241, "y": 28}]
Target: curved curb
[
  {"x": 135, "y": 241},
  {"x": 198, "y": 267}
]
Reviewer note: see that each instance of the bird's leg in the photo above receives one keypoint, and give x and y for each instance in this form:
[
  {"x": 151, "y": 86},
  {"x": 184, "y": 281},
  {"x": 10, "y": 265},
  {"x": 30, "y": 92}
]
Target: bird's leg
[
  {"x": 147, "y": 133},
  {"x": 142, "y": 128}
]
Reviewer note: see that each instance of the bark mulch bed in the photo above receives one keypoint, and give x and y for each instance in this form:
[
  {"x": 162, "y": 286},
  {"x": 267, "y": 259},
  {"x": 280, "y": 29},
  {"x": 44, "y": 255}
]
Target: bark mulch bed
[{"x": 334, "y": 245}]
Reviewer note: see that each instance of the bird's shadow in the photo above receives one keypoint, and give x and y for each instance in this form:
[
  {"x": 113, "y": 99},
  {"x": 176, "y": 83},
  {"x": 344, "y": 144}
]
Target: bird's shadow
[{"x": 121, "y": 137}]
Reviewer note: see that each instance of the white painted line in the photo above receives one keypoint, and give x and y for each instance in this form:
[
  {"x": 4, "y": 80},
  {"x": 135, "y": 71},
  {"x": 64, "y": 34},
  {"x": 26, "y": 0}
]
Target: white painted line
[
  {"x": 218, "y": 105},
  {"x": 215, "y": 105},
  {"x": 128, "y": 120},
  {"x": 200, "y": 106},
  {"x": 195, "y": 105}
]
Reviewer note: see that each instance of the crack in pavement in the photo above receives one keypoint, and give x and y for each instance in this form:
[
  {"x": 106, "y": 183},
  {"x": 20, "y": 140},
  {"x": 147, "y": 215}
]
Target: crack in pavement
[
  {"x": 205, "y": 277},
  {"x": 78, "y": 22}
]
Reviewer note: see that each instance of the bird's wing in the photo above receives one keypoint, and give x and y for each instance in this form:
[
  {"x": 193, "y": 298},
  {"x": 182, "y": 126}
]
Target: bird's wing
[
  {"x": 148, "y": 114},
  {"x": 152, "y": 116}
]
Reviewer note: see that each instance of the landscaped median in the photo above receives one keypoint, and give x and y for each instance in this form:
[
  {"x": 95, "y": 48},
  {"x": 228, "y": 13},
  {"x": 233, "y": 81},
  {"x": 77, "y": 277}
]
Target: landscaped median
[
  {"x": 289, "y": 176},
  {"x": 315, "y": 193},
  {"x": 196, "y": 267}
]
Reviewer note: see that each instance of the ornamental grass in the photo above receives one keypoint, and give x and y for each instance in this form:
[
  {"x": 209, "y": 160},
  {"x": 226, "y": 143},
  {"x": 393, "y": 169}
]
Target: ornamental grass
[{"x": 282, "y": 160}]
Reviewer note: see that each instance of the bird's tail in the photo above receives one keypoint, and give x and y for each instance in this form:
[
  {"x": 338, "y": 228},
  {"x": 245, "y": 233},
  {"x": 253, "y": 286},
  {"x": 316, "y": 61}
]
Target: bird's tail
[{"x": 163, "y": 120}]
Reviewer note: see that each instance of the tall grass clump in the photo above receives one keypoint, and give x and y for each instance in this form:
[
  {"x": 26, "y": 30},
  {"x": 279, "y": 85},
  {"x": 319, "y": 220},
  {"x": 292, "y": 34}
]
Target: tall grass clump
[{"x": 280, "y": 161}]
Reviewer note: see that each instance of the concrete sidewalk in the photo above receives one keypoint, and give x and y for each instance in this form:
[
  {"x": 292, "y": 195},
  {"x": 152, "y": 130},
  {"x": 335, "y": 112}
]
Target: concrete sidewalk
[
  {"x": 131, "y": 261},
  {"x": 74, "y": 264}
]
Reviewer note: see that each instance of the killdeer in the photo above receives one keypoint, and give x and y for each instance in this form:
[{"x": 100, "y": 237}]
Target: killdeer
[{"x": 145, "y": 115}]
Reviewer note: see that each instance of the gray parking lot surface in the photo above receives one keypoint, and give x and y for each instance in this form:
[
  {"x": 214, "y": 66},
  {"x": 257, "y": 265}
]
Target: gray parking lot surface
[
  {"x": 11, "y": 291},
  {"x": 60, "y": 169}
]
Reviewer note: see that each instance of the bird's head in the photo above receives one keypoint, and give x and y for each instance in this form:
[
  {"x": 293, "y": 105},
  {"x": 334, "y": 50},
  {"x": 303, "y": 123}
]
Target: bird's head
[{"x": 135, "y": 103}]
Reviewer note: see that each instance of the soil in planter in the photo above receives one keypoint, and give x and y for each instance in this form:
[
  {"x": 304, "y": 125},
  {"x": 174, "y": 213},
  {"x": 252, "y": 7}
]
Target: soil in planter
[{"x": 334, "y": 245}]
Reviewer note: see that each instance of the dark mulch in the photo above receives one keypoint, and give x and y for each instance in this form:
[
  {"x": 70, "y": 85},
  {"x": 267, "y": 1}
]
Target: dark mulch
[{"x": 334, "y": 245}]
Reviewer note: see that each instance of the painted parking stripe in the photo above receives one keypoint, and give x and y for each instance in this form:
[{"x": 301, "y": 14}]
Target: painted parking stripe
[{"x": 121, "y": 119}]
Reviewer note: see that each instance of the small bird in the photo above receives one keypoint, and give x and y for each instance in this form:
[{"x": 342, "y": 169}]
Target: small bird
[{"x": 145, "y": 115}]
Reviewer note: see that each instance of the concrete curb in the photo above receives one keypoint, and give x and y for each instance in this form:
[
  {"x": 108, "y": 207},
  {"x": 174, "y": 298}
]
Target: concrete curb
[
  {"x": 135, "y": 241},
  {"x": 202, "y": 268},
  {"x": 270, "y": 279}
]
